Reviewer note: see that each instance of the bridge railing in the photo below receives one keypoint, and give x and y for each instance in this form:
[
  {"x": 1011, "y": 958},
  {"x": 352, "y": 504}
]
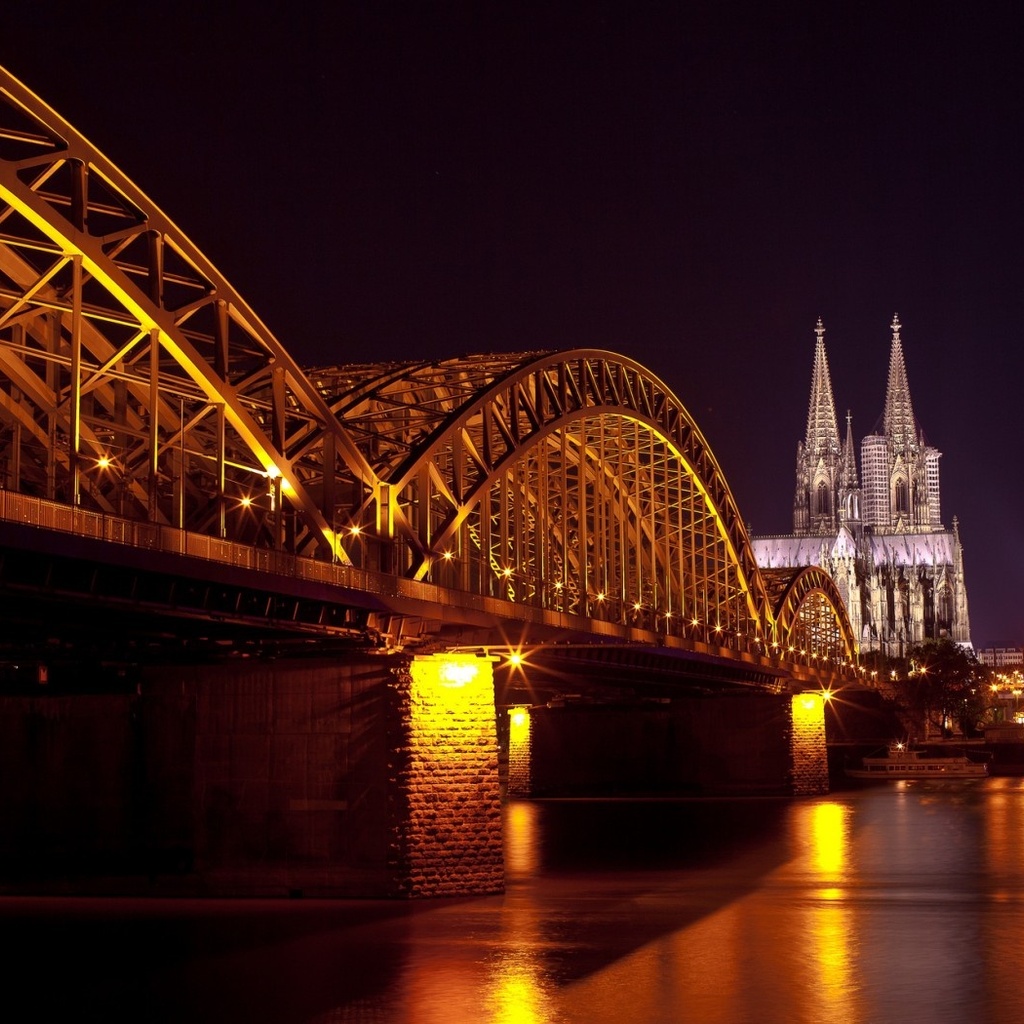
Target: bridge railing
[{"x": 52, "y": 515}]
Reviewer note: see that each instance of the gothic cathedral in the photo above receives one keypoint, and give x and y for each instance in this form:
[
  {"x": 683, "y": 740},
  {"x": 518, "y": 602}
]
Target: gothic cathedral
[{"x": 880, "y": 537}]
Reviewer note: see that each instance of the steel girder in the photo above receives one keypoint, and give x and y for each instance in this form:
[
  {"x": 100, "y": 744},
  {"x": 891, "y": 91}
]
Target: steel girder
[{"x": 136, "y": 380}]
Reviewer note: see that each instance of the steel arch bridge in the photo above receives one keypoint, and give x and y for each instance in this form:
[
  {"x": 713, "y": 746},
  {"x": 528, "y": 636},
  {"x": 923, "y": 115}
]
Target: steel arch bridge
[{"x": 135, "y": 382}]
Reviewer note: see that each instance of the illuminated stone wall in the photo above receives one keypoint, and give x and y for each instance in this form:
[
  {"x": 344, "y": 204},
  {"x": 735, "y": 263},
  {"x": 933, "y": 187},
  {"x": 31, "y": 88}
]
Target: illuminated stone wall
[
  {"x": 519, "y": 752},
  {"x": 807, "y": 745},
  {"x": 445, "y": 803}
]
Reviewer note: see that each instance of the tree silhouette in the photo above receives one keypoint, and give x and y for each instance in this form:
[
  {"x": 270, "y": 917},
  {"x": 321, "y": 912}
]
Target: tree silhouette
[{"x": 943, "y": 685}]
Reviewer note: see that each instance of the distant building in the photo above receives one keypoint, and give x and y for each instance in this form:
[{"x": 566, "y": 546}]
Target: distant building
[
  {"x": 1001, "y": 657},
  {"x": 880, "y": 536}
]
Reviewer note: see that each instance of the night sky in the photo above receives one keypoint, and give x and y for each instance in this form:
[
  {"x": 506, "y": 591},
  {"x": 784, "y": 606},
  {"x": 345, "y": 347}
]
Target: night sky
[{"x": 690, "y": 185}]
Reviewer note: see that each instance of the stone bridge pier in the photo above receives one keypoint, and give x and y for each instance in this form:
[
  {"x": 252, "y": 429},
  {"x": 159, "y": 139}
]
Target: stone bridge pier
[
  {"x": 367, "y": 775},
  {"x": 721, "y": 745}
]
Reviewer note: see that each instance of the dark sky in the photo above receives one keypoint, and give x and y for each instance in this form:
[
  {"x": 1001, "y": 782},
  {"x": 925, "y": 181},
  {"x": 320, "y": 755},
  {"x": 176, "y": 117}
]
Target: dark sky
[{"x": 691, "y": 185}]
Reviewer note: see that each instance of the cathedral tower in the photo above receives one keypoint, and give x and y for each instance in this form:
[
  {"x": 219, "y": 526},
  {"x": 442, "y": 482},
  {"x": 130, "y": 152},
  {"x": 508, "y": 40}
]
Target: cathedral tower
[
  {"x": 818, "y": 456},
  {"x": 880, "y": 537},
  {"x": 900, "y": 472}
]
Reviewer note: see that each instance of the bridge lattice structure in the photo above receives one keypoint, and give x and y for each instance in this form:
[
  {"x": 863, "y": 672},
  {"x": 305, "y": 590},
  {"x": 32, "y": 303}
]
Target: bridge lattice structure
[{"x": 136, "y": 383}]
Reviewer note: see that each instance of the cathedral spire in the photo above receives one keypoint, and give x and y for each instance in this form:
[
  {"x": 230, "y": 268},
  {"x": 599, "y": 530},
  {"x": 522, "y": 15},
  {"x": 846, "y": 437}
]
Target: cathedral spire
[
  {"x": 817, "y": 457},
  {"x": 822, "y": 432},
  {"x": 848, "y": 487},
  {"x": 848, "y": 467},
  {"x": 898, "y": 423}
]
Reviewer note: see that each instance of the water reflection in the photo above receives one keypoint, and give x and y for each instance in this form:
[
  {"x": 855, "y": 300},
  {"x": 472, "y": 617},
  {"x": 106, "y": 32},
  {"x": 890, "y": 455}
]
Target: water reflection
[
  {"x": 518, "y": 988},
  {"x": 522, "y": 843},
  {"x": 876, "y": 915},
  {"x": 518, "y": 991},
  {"x": 896, "y": 904},
  {"x": 828, "y": 826},
  {"x": 486, "y": 960},
  {"x": 828, "y": 919},
  {"x": 1003, "y": 933}
]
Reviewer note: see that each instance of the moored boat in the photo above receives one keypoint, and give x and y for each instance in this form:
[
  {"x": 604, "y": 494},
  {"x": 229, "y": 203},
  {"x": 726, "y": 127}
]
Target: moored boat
[{"x": 901, "y": 762}]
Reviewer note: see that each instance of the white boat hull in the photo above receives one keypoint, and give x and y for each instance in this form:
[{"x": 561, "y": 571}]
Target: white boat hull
[
  {"x": 978, "y": 771},
  {"x": 912, "y": 764}
]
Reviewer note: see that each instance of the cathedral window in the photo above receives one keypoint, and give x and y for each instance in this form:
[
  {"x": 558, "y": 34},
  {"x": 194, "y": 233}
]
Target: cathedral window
[
  {"x": 945, "y": 608},
  {"x": 823, "y": 504},
  {"x": 902, "y": 497}
]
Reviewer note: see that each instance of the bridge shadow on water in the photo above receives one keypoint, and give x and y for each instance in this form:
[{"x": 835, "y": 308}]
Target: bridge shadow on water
[{"x": 589, "y": 882}]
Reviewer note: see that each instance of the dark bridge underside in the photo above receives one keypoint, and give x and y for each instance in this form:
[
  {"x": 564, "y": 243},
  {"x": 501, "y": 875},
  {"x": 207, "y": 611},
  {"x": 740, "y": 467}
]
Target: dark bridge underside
[
  {"x": 84, "y": 614},
  {"x": 87, "y": 611},
  {"x": 613, "y": 671}
]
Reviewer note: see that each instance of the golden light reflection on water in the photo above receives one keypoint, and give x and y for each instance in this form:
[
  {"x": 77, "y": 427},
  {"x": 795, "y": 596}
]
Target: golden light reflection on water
[
  {"x": 829, "y": 834},
  {"x": 1004, "y": 842},
  {"x": 790, "y": 944},
  {"x": 828, "y": 919},
  {"x": 886, "y": 905},
  {"x": 510, "y": 984},
  {"x": 521, "y": 838},
  {"x": 697, "y": 971},
  {"x": 518, "y": 991}
]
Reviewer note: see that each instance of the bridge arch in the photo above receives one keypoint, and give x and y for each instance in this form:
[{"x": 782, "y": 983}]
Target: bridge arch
[
  {"x": 135, "y": 381},
  {"x": 810, "y": 616},
  {"x": 571, "y": 480}
]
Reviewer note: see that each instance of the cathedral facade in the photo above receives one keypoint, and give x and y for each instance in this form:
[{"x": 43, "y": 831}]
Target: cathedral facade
[{"x": 878, "y": 533}]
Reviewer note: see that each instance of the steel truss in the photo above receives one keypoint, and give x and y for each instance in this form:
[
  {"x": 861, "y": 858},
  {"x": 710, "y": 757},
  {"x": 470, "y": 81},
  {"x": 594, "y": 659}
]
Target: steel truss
[
  {"x": 810, "y": 617},
  {"x": 573, "y": 481},
  {"x": 134, "y": 381},
  {"x": 137, "y": 381}
]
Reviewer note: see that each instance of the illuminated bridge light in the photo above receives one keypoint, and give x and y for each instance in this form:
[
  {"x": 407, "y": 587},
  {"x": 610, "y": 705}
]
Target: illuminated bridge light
[{"x": 457, "y": 673}]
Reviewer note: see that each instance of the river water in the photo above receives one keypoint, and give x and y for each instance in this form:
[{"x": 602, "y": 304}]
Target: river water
[{"x": 903, "y": 903}]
